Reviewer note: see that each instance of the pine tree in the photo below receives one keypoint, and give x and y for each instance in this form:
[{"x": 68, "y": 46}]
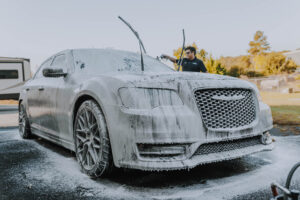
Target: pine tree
[{"x": 259, "y": 45}]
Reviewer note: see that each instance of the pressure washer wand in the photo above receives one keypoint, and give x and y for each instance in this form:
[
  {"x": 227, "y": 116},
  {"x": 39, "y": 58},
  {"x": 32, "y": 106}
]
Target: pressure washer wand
[{"x": 180, "y": 59}]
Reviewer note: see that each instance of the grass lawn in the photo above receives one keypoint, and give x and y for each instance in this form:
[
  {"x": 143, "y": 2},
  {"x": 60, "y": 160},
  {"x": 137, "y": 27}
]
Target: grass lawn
[
  {"x": 285, "y": 107},
  {"x": 277, "y": 98},
  {"x": 286, "y": 115}
]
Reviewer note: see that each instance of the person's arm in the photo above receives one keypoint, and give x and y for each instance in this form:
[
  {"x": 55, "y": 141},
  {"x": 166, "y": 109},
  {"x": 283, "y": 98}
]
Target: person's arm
[
  {"x": 202, "y": 67},
  {"x": 174, "y": 60}
]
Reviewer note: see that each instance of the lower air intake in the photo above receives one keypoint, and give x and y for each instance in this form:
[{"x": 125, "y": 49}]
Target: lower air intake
[{"x": 223, "y": 146}]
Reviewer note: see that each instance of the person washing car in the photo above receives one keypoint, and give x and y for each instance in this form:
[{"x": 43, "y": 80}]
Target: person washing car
[{"x": 191, "y": 63}]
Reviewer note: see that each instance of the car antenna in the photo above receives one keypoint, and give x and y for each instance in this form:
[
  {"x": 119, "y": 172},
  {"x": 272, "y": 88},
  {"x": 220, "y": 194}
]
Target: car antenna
[
  {"x": 180, "y": 59},
  {"x": 140, "y": 41}
]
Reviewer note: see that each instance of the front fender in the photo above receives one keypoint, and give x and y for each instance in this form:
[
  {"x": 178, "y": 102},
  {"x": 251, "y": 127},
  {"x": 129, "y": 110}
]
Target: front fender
[{"x": 104, "y": 93}]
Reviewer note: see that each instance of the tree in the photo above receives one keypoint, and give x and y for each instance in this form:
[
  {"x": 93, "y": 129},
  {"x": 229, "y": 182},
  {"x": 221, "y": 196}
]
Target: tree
[
  {"x": 214, "y": 66},
  {"x": 276, "y": 63},
  {"x": 202, "y": 54},
  {"x": 259, "y": 45},
  {"x": 234, "y": 71},
  {"x": 243, "y": 62}
]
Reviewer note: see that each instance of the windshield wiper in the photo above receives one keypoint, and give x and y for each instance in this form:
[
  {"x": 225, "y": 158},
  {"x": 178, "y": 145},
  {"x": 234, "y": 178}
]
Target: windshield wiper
[{"x": 140, "y": 41}]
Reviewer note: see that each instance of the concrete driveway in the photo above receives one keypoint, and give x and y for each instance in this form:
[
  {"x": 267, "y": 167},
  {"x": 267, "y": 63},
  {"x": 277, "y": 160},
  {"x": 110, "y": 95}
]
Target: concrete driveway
[
  {"x": 37, "y": 169},
  {"x": 8, "y": 115}
]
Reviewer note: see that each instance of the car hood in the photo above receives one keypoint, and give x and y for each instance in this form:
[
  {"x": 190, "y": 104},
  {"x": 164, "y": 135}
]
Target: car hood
[
  {"x": 174, "y": 80},
  {"x": 168, "y": 77}
]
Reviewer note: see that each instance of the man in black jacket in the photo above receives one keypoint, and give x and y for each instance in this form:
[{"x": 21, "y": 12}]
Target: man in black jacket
[{"x": 191, "y": 63}]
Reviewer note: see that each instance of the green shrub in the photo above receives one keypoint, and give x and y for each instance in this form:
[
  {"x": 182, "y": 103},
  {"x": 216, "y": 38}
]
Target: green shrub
[{"x": 234, "y": 71}]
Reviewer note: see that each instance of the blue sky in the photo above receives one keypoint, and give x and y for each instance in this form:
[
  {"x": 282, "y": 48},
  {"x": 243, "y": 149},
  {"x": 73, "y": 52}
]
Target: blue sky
[{"x": 37, "y": 29}]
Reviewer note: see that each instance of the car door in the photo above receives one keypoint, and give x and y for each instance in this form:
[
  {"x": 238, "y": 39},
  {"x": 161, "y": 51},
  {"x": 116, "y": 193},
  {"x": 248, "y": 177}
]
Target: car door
[
  {"x": 64, "y": 94},
  {"x": 33, "y": 92},
  {"x": 48, "y": 97}
]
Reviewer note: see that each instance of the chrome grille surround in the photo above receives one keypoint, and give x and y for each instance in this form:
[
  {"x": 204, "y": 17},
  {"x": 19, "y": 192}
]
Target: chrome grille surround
[
  {"x": 226, "y": 108},
  {"x": 223, "y": 146}
]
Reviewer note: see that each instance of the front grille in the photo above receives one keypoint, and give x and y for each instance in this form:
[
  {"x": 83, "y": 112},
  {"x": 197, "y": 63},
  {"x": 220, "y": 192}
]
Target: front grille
[
  {"x": 223, "y": 146},
  {"x": 226, "y": 108}
]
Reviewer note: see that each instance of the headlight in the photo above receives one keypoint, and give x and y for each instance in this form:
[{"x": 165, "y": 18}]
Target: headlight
[{"x": 148, "y": 98}]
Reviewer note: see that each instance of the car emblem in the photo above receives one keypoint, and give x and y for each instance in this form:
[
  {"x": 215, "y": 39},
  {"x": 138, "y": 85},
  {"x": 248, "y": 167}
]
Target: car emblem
[{"x": 228, "y": 98}]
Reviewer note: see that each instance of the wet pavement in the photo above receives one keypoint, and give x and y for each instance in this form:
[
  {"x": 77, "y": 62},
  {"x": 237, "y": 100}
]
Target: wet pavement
[
  {"x": 38, "y": 169},
  {"x": 8, "y": 115},
  {"x": 8, "y": 109}
]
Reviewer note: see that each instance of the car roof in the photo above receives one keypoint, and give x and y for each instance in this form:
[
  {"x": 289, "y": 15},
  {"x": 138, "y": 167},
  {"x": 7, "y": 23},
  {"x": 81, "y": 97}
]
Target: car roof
[{"x": 100, "y": 50}]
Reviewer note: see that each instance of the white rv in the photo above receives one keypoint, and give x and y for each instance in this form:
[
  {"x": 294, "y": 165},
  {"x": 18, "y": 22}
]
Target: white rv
[
  {"x": 14, "y": 72},
  {"x": 294, "y": 55}
]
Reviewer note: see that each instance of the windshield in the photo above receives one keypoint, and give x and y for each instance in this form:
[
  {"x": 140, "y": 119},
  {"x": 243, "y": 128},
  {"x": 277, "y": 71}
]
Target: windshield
[{"x": 103, "y": 61}]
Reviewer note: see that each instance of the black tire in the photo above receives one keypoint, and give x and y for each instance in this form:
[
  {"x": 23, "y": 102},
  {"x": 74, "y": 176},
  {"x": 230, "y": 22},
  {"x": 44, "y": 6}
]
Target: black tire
[
  {"x": 92, "y": 145},
  {"x": 24, "y": 126}
]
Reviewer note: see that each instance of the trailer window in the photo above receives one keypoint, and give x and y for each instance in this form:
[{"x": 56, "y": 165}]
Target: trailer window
[{"x": 9, "y": 74}]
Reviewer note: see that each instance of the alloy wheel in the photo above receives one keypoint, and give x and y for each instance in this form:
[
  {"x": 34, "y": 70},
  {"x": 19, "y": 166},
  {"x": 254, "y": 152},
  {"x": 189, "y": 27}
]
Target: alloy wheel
[
  {"x": 88, "y": 140},
  {"x": 22, "y": 120}
]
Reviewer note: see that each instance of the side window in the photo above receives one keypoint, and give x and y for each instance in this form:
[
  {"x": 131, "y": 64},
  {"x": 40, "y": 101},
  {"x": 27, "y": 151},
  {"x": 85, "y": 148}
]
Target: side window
[
  {"x": 39, "y": 73},
  {"x": 9, "y": 74},
  {"x": 59, "y": 62}
]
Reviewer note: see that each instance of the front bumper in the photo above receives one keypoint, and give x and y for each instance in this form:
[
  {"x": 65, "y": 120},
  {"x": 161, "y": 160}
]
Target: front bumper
[
  {"x": 177, "y": 125},
  {"x": 196, "y": 160}
]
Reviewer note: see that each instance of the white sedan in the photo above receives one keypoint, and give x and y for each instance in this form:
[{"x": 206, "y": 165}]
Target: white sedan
[{"x": 98, "y": 103}]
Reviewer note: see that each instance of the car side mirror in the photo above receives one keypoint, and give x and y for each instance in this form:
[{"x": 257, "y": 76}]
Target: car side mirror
[{"x": 55, "y": 73}]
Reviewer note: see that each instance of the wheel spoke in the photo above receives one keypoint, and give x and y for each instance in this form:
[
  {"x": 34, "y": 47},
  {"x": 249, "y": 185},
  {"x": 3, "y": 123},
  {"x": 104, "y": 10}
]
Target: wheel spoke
[
  {"x": 21, "y": 117},
  {"x": 84, "y": 154},
  {"x": 80, "y": 130},
  {"x": 86, "y": 113},
  {"x": 88, "y": 159},
  {"x": 97, "y": 138},
  {"x": 21, "y": 120},
  {"x": 80, "y": 150},
  {"x": 80, "y": 120},
  {"x": 82, "y": 139},
  {"x": 93, "y": 155},
  {"x": 96, "y": 146},
  {"x": 92, "y": 126},
  {"x": 21, "y": 111}
]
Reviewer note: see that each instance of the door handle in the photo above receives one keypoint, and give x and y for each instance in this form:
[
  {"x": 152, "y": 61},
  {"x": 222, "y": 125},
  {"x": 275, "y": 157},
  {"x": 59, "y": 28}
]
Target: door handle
[
  {"x": 41, "y": 88},
  {"x": 27, "y": 89}
]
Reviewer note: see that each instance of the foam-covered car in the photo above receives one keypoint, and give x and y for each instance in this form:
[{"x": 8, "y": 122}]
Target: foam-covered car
[{"x": 100, "y": 104}]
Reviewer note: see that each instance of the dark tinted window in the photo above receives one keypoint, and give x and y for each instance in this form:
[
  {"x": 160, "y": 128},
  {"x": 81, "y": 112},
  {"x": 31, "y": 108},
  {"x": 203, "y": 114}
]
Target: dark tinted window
[{"x": 9, "y": 74}]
